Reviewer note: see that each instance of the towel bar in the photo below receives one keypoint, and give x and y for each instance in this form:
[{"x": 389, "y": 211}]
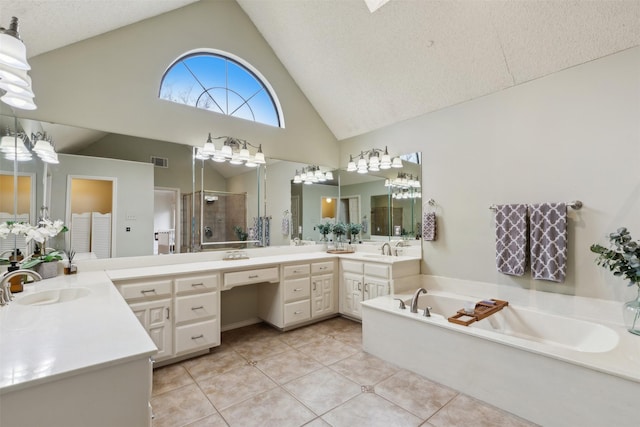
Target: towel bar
[{"x": 576, "y": 204}]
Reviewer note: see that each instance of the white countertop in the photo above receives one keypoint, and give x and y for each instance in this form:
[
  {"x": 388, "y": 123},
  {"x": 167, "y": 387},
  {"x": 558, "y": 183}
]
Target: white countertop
[
  {"x": 255, "y": 262},
  {"x": 46, "y": 342}
]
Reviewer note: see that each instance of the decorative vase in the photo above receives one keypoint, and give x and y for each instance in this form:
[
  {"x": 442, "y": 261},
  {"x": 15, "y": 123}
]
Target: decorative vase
[
  {"x": 631, "y": 314},
  {"x": 47, "y": 269}
]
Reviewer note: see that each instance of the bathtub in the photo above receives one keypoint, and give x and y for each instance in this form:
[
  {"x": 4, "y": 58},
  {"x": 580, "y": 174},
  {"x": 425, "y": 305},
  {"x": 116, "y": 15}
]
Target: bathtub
[{"x": 551, "y": 369}]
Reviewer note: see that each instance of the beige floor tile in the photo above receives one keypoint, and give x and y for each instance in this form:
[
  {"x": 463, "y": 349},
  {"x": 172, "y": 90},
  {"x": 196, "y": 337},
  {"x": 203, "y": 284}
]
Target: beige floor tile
[
  {"x": 180, "y": 406},
  {"x": 274, "y": 408},
  {"x": 415, "y": 393},
  {"x": 323, "y": 390},
  {"x": 214, "y": 420},
  {"x": 466, "y": 411},
  {"x": 337, "y": 324},
  {"x": 252, "y": 332},
  {"x": 318, "y": 422},
  {"x": 219, "y": 361},
  {"x": 370, "y": 410},
  {"x": 287, "y": 366},
  {"x": 350, "y": 337},
  {"x": 364, "y": 369},
  {"x": 303, "y": 336},
  {"x": 261, "y": 348},
  {"x": 328, "y": 350},
  {"x": 169, "y": 378},
  {"x": 235, "y": 386}
]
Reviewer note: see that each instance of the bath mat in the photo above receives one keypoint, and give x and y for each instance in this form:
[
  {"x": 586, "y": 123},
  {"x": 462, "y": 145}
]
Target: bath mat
[
  {"x": 511, "y": 238},
  {"x": 429, "y": 226},
  {"x": 548, "y": 223}
]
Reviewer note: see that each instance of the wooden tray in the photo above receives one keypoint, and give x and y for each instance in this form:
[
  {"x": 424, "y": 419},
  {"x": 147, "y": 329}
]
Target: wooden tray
[
  {"x": 336, "y": 251},
  {"x": 482, "y": 310}
]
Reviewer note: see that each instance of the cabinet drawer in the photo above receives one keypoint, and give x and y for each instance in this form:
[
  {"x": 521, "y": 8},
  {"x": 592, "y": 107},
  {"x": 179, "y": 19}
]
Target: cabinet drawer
[
  {"x": 352, "y": 266},
  {"x": 197, "y": 306},
  {"x": 248, "y": 277},
  {"x": 295, "y": 312},
  {"x": 197, "y": 283},
  {"x": 147, "y": 289},
  {"x": 377, "y": 270},
  {"x": 197, "y": 335},
  {"x": 295, "y": 270},
  {"x": 322, "y": 267},
  {"x": 295, "y": 289}
]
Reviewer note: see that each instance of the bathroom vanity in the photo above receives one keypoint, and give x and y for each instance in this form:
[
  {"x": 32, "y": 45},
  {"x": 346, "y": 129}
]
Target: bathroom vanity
[{"x": 77, "y": 350}]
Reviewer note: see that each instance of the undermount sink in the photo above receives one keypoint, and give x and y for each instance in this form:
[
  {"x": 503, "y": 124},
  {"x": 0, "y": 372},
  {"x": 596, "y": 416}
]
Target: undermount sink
[{"x": 53, "y": 296}]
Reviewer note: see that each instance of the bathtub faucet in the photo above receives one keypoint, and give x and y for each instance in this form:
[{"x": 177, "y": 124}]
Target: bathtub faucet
[{"x": 414, "y": 300}]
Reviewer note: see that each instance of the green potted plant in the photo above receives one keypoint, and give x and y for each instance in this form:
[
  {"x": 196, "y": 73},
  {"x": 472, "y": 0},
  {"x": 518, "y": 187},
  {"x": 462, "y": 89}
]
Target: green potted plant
[
  {"x": 339, "y": 229},
  {"x": 324, "y": 230},
  {"x": 354, "y": 230},
  {"x": 622, "y": 258}
]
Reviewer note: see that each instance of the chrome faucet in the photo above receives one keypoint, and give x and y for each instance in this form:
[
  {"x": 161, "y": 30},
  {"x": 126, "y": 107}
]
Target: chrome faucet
[
  {"x": 388, "y": 246},
  {"x": 414, "y": 300},
  {"x": 5, "y": 286},
  {"x": 399, "y": 244}
]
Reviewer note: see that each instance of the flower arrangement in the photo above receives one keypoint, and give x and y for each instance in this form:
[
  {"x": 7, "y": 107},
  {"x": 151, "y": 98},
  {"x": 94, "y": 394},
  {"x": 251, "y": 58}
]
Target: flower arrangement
[
  {"x": 46, "y": 229},
  {"x": 622, "y": 257}
]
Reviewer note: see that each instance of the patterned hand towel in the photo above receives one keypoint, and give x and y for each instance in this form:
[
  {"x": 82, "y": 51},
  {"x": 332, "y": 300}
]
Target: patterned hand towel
[
  {"x": 286, "y": 225},
  {"x": 429, "y": 226},
  {"x": 548, "y": 241},
  {"x": 511, "y": 239}
]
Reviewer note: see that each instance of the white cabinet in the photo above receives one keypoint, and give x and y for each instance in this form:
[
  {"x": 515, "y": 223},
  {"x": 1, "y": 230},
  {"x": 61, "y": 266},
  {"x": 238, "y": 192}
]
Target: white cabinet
[
  {"x": 361, "y": 281},
  {"x": 155, "y": 317},
  {"x": 306, "y": 293},
  {"x": 180, "y": 314}
]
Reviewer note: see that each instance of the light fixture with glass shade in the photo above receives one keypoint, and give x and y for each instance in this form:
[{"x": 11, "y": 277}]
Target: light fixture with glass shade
[
  {"x": 311, "y": 175},
  {"x": 15, "y": 83},
  {"x": 372, "y": 160},
  {"x": 233, "y": 150}
]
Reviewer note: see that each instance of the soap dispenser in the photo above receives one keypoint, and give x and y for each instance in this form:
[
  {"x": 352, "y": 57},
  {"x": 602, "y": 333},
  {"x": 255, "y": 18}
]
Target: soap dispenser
[{"x": 16, "y": 282}]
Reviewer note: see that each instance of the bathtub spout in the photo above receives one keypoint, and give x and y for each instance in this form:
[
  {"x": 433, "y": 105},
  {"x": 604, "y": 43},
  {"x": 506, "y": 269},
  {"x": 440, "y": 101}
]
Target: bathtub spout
[{"x": 414, "y": 300}]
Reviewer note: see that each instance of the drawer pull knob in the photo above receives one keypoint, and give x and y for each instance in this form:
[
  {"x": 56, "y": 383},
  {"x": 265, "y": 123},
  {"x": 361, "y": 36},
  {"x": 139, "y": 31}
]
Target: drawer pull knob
[
  {"x": 314, "y": 286},
  {"x": 147, "y": 291},
  {"x": 297, "y": 312},
  {"x": 197, "y": 337},
  {"x": 197, "y": 308},
  {"x": 194, "y": 285},
  {"x": 323, "y": 268},
  {"x": 297, "y": 289},
  {"x": 253, "y": 276}
]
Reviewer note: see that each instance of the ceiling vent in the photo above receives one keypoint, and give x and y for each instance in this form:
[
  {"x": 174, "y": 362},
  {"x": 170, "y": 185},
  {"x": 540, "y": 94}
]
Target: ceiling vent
[{"x": 160, "y": 162}]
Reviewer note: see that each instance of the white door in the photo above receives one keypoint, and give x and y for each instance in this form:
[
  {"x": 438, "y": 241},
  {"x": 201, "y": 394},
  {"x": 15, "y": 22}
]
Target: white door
[
  {"x": 322, "y": 295},
  {"x": 352, "y": 285}
]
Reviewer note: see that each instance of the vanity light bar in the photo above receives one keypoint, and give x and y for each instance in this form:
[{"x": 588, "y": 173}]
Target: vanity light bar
[
  {"x": 240, "y": 156},
  {"x": 373, "y": 160}
]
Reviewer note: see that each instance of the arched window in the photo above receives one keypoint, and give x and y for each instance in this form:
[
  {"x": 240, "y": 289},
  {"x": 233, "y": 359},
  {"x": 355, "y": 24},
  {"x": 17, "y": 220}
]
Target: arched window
[{"x": 219, "y": 83}]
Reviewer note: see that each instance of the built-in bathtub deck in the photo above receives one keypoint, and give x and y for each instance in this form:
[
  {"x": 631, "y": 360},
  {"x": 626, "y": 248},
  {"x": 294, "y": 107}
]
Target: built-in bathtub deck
[{"x": 548, "y": 372}]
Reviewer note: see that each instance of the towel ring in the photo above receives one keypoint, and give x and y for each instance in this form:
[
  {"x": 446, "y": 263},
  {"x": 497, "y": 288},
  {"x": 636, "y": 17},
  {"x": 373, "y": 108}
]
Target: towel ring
[{"x": 431, "y": 203}]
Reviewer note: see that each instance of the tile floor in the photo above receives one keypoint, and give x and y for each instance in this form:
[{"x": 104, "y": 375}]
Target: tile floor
[{"x": 313, "y": 376}]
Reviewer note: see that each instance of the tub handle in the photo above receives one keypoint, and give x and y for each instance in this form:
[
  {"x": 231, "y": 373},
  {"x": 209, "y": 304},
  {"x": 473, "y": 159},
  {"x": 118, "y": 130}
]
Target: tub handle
[
  {"x": 427, "y": 312},
  {"x": 402, "y": 305}
]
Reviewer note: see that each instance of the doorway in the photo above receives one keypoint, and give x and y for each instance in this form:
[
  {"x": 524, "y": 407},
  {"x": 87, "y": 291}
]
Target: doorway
[{"x": 166, "y": 220}]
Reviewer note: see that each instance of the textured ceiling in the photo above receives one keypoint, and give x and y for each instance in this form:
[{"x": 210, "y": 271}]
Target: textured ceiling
[{"x": 363, "y": 70}]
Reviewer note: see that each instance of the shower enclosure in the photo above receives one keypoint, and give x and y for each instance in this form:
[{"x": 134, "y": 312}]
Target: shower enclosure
[{"x": 214, "y": 220}]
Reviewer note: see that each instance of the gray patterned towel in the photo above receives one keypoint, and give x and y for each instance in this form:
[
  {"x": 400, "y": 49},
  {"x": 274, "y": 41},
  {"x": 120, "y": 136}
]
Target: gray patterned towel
[
  {"x": 429, "y": 226},
  {"x": 511, "y": 238},
  {"x": 548, "y": 222}
]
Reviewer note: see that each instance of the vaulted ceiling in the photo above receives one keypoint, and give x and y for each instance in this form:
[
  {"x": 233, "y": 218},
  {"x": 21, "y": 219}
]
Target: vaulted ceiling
[{"x": 364, "y": 70}]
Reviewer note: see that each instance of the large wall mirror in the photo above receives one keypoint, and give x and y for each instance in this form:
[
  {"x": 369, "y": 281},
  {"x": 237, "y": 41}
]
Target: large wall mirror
[{"x": 162, "y": 200}]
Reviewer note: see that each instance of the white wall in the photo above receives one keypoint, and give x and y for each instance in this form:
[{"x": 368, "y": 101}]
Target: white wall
[
  {"x": 134, "y": 186},
  {"x": 111, "y": 83},
  {"x": 571, "y": 135}
]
